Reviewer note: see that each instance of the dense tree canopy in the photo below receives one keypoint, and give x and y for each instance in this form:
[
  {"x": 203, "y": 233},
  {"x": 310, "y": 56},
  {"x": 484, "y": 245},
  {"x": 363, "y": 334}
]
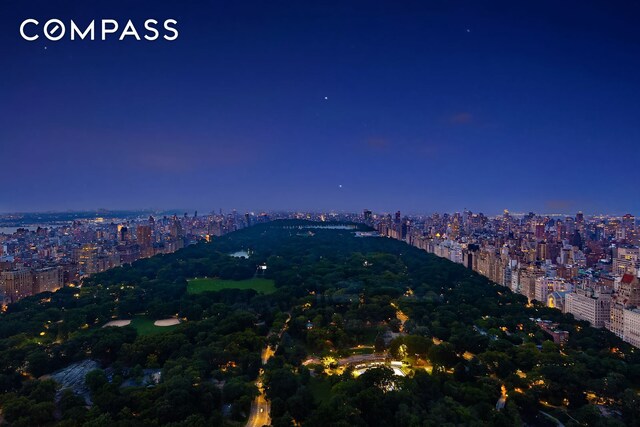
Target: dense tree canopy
[{"x": 336, "y": 294}]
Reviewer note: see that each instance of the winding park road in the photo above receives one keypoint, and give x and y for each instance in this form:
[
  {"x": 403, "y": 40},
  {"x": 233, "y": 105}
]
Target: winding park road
[
  {"x": 260, "y": 407},
  {"x": 400, "y": 316},
  {"x": 351, "y": 360}
]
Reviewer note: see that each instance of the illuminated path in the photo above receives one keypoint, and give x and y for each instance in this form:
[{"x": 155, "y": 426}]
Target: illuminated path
[
  {"x": 397, "y": 371},
  {"x": 260, "y": 407},
  {"x": 400, "y": 316},
  {"x": 503, "y": 398}
]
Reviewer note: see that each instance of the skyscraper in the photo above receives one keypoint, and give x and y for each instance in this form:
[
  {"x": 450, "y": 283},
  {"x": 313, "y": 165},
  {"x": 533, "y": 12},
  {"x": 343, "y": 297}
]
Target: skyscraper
[{"x": 145, "y": 241}]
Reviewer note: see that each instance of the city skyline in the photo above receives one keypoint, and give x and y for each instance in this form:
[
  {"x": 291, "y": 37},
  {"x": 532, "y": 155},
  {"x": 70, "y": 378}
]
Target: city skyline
[
  {"x": 254, "y": 211},
  {"x": 315, "y": 107}
]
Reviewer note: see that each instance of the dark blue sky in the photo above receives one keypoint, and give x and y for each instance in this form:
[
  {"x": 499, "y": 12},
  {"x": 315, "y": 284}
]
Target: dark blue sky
[{"x": 419, "y": 106}]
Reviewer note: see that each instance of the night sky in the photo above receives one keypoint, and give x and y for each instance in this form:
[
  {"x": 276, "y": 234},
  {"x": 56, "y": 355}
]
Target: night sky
[{"x": 319, "y": 105}]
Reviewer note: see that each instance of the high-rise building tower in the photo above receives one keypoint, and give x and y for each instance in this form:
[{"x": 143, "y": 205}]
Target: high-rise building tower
[
  {"x": 629, "y": 227},
  {"x": 16, "y": 284},
  {"x": 123, "y": 233},
  {"x": 143, "y": 235},
  {"x": 176, "y": 228}
]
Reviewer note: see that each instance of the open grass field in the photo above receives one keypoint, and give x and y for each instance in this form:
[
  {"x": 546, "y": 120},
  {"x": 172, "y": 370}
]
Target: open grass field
[
  {"x": 145, "y": 326},
  {"x": 196, "y": 286}
]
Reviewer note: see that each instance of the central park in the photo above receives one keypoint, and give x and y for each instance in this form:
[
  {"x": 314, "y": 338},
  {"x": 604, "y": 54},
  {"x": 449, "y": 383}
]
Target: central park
[{"x": 317, "y": 325}]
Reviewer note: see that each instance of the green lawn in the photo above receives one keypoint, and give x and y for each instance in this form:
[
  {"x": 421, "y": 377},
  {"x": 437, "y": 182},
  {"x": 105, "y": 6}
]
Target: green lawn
[
  {"x": 145, "y": 326},
  {"x": 196, "y": 286}
]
